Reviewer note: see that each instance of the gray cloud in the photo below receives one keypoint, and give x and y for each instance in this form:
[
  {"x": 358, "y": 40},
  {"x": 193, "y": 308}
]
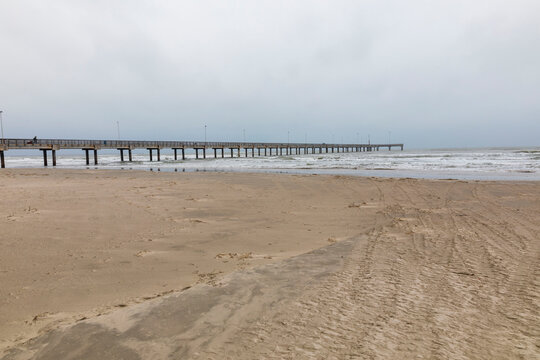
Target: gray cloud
[{"x": 444, "y": 73}]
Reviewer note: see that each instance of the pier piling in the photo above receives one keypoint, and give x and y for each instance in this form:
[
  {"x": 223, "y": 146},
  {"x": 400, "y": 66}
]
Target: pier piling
[{"x": 44, "y": 157}]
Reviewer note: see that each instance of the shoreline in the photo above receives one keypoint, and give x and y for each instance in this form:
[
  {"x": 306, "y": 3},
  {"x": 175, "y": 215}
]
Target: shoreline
[
  {"x": 103, "y": 240},
  {"x": 364, "y": 173}
]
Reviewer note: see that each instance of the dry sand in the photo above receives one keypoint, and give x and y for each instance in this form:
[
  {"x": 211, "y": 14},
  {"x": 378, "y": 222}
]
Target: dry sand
[{"x": 415, "y": 269}]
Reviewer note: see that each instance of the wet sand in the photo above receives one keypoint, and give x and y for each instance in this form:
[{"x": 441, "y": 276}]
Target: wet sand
[{"x": 98, "y": 263}]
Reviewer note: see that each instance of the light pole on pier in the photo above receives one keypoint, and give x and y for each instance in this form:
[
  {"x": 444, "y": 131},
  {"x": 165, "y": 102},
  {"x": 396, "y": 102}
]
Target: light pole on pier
[
  {"x": 389, "y": 134},
  {"x": 205, "y": 133},
  {"x": 288, "y": 137},
  {"x": 2, "y": 126}
]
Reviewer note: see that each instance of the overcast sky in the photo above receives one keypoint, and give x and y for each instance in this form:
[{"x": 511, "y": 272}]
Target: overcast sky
[{"x": 433, "y": 73}]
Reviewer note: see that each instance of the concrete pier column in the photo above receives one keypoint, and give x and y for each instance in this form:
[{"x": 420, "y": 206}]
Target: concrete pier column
[
  {"x": 238, "y": 152},
  {"x": 401, "y": 147},
  {"x": 44, "y": 157},
  {"x": 53, "y": 157},
  {"x": 196, "y": 153},
  {"x": 264, "y": 151},
  {"x": 95, "y": 157},
  {"x": 150, "y": 152},
  {"x": 87, "y": 157},
  {"x": 222, "y": 152},
  {"x": 204, "y": 153},
  {"x": 130, "y": 155},
  {"x": 231, "y": 152},
  {"x": 158, "y": 154},
  {"x": 2, "y": 160},
  {"x": 270, "y": 152},
  {"x": 258, "y": 151},
  {"x": 252, "y": 152},
  {"x": 215, "y": 153},
  {"x": 121, "y": 155},
  {"x": 183, "y": 154},
  {"x": 246, "y": 151},
  {"x": 175, "y": 154}
]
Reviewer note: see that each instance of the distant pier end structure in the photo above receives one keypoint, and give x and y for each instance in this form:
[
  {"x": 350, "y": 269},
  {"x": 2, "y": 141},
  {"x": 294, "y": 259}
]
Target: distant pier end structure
[{"x": 200, "y": 148}]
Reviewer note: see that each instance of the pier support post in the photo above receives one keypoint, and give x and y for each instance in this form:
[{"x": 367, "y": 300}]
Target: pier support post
[
  {"x": 130, "y": 155},
  {"x": 196, "y": 153},
  {"x": 158, "y": 154},
  {"x": 87, "y": 157},
  {"x": 2, "y": 160},
  {"x": 264, "y": 151},
  {"x": 246, "y": 151},
  {"x": 121, "y": 155},
  {"x": 232, "y": 155},
  {"x": 258, "y": 151},
  {"x": 204, "y": 153},
  {"x": 95, "y": 157},
  {"x": 53, "y": 157},
  {"x": 150, "y": 151},
  {"x": 238, "y": 151},
  {"x": 222, "y": 153},
  {"x": 175, "y": 154},
  {"x": 215, "y": 153},
  {"x": 183, "y": 154},
  {"x": 44, "y": 157},
  {"x": 252, "y": 152}
]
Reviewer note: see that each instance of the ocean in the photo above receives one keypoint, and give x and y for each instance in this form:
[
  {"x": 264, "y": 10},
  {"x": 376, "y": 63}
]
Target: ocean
[{"x": 465, "y": 164}]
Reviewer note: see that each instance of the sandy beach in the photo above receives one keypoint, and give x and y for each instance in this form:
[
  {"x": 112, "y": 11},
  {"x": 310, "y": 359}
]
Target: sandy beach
[{"x": 135, "y": 264}]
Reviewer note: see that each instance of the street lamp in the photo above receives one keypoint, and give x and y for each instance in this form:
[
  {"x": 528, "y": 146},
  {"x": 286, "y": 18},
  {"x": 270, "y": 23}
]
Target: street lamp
[
  {"x": 288, "y": 137},
  {"x": 204, "y": 133}
]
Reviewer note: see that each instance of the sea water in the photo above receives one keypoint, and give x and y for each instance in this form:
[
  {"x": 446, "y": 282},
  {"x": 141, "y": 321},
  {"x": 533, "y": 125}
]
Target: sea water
[{"x": 468, "y": 164}]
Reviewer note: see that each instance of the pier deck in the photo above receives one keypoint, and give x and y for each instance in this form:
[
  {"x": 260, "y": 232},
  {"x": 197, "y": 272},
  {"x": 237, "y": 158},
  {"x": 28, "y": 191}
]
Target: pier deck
[{"x": 270, "y": 149}]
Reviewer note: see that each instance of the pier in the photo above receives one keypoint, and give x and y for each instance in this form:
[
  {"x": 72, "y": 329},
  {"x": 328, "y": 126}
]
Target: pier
[{"x": 250, "y": 149}]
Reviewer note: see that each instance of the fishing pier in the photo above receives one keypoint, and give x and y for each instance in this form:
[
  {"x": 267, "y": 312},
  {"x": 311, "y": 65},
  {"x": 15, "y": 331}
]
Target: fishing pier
[{"x": 91, "y": 147}]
